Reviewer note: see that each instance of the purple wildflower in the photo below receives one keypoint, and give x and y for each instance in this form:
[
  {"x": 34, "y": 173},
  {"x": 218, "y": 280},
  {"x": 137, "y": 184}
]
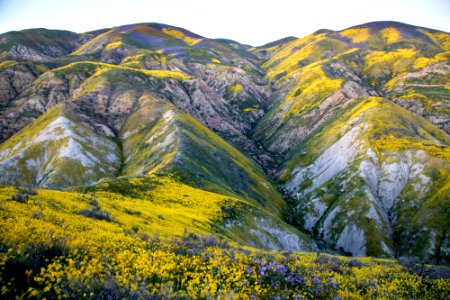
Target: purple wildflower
[
  {"x": 333, "y": 284},
  {"x": 281, "y": 269}
]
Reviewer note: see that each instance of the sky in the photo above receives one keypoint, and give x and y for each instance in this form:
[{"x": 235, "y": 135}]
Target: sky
[{"x": 247, "y": 21}]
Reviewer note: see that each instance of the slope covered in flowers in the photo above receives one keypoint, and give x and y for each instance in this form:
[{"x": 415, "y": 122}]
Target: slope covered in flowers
[{"x": 96, "y": 242}]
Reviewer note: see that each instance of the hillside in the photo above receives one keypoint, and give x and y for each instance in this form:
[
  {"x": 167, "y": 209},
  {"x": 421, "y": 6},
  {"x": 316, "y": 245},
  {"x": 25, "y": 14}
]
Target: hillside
[
  {"x": 361, "y": 171},
  {"x": 335, "y": 142}
]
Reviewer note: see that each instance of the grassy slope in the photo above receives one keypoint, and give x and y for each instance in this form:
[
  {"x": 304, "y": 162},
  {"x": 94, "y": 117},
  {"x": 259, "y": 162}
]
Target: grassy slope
[
  {"x": 198, "y": 156},
  {"x": 157, "y": 44},
  {"x": 117, "y": 240},
  {"x": 155, "y": 205},
  {"x": 381, "y": 54},
  {"x": 158, "y": 137}
]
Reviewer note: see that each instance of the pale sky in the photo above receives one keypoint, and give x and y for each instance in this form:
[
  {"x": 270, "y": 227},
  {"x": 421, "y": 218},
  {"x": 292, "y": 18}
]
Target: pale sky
[{"x": 253, "y": 22}]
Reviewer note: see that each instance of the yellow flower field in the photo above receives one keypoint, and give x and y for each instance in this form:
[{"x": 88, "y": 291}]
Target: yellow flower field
[{"x": 157, "y": 244}]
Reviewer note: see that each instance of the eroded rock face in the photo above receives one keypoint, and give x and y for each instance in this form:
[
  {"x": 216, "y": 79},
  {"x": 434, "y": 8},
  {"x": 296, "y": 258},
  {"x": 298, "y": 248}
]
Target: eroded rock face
[
  {"x": 356, "y": 200},
  {"x": 263, "y": 232},
  {"x": 40, "y": 96},
  {"x": 276, "y": 239},
  {"x": 415, "y": 92},
  {"x": 61, "y": 154},
  {"x": 282, "y": 136},
  {"x": 215, "y": 106},
  {"x": 24, "y": 53},
  {"x": 329, "y": 164},
  {"x": 40, "y": 44},
  {"x": 338, "y": 222},
  {"x": 13, "y": 81}
]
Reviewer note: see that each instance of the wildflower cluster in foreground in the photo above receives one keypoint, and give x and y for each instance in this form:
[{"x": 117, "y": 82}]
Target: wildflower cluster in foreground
[{"x": 204, "y": 267}]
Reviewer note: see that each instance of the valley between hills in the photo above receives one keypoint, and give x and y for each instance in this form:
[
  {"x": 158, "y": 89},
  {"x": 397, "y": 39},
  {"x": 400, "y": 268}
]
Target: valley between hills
[{"x": 146, "y": 161}]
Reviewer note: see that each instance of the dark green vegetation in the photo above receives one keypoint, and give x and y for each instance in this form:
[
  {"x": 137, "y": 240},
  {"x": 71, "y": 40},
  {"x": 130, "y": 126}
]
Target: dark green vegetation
[{"x": 342, "y": 134}]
